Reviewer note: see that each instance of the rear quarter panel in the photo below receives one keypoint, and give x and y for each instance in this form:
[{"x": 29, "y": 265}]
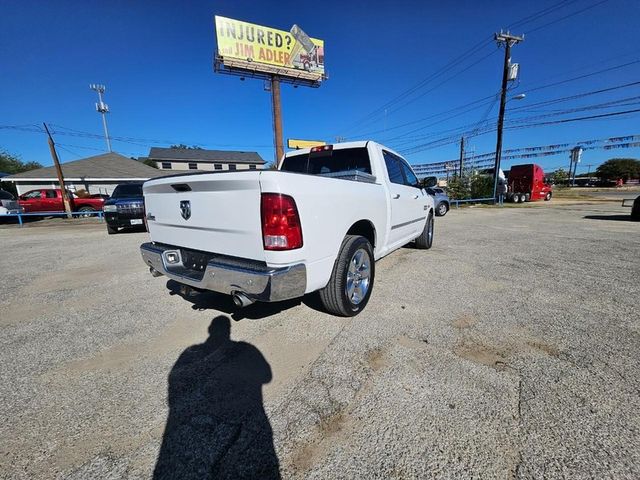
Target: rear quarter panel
[{"x": 328, "y": 208}]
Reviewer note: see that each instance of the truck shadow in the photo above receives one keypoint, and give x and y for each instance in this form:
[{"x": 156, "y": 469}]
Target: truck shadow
[
  {"x": 617, "y": 218},
  {"x": 217, "y": 426},
  {"x": 259, "y": 310}
]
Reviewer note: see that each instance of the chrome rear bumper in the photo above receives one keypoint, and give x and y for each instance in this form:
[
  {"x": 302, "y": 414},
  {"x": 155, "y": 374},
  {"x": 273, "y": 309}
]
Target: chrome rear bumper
[{"x": 229, "y": 275}]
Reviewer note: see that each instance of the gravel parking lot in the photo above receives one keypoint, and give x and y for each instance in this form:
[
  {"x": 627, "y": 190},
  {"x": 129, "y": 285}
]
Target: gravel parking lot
[{"x": 510, "y": 349}]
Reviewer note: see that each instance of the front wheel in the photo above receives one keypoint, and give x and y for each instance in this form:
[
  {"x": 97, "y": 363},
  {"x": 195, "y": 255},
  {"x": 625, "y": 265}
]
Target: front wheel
[
  {"x": 351, "y": 282},
  {"x": 547, "y": 197},
  {"x": 442, "y": 209},
  {"x": 425, "y": 240}
]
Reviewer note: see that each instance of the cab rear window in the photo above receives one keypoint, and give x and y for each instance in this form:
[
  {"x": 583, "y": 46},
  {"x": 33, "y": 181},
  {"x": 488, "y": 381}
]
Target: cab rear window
[{"x": 342, "y": 160}]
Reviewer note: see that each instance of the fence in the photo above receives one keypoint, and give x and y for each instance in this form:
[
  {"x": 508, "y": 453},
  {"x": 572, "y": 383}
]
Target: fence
[
  {"x": 472, "y": 200},
  {"x": 98, "y": 213}
]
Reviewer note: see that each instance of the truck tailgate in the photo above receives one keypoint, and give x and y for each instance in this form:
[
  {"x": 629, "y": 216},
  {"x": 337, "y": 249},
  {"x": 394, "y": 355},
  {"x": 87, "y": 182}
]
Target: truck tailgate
[{"x": 217, "y": 212}]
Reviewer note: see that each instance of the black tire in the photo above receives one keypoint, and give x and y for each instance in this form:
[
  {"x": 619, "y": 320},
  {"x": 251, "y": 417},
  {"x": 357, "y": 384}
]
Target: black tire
[
  {"x": 547, "y": 197},
  {"x": 523, "y": 198},
  {"x": 425, "y": 240},
  {"x": 527, "y": 197},
  {"x": 516, "y": 198},
  {"x": 112, "y": 230},
  {"x": 87, "y": 209},
  {"x": 442, "y": 209},
  {"x": 334, "y": 296}
]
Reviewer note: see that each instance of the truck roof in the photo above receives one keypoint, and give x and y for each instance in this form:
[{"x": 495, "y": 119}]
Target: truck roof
[{"x": 337, "y": 146}]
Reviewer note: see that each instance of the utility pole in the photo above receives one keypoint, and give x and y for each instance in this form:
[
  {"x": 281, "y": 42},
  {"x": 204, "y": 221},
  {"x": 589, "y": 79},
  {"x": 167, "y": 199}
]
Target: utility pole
[
  {"x": 508, "y": 40},
  {"x": 56, "y": 162},
  {"x": 278, "y": 140},
  {"x": 461, "y": 155},
  {"x": 589, "y": 165},
  {"x": 103, "y": 108}
]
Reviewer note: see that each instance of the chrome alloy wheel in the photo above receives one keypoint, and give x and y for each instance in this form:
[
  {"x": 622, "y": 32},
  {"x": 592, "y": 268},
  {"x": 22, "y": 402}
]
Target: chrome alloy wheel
[{"x": 358, "y": 276}]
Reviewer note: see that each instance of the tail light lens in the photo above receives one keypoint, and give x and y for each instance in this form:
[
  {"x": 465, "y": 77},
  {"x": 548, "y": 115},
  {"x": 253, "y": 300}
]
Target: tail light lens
[{"x": 281, "y": 229}]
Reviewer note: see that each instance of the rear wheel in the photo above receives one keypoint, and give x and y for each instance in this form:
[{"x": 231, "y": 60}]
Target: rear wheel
[
  {"x": 523, "y": 198},
  {"x": 86, "y": 209},
  {"x": 351, "y": 282},
  {"x": 527, "y": 197},
  {"x": 111, "y": 230},
  {"x": 516, "y": 198},
  {"x": 425, "y": 240}
]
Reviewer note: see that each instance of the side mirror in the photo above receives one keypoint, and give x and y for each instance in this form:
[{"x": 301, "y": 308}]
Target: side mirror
[{"x": 429, "y": 182}]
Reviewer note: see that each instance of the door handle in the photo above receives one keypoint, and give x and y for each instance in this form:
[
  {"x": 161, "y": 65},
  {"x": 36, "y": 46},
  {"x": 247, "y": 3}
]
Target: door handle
[
  {"x": 395, "y": 196},
  {"x": 416, "y": 196}
]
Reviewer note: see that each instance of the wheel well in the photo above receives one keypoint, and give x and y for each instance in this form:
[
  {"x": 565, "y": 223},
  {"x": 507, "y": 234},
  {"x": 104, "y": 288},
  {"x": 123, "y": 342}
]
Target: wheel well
[{"x": 366, "y": 229}]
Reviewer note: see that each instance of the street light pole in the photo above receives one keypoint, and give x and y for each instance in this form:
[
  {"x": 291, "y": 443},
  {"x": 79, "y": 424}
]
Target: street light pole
[
  {"x": 508, "y": 41},
  {"x": 103, "y": 108}
]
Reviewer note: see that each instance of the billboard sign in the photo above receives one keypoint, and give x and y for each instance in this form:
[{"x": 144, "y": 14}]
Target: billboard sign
[
  {"x": 293, "y": 143},
  {"x": 255, "y": 48}
]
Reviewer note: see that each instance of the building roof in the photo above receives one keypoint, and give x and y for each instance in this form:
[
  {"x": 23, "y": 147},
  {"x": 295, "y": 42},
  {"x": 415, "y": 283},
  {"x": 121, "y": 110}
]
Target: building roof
[
  {"x": 108, "y": 166},
  {"x": 190, "y": 155}
]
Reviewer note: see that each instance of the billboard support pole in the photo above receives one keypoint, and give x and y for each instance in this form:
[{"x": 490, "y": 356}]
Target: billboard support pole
[{"x": 278, "y": 139}]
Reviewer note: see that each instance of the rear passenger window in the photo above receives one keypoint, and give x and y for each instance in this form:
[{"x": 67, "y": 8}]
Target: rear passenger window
[
  {"x": 51, "y": 194},
  {"x": 393, "y": 168}
]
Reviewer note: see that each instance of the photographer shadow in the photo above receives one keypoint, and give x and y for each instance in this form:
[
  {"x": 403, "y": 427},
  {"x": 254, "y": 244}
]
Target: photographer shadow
[{"x": 217, "y": 426}]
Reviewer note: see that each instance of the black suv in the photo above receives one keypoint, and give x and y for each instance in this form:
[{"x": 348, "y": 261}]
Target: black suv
[{"x": 125, "y": 208}]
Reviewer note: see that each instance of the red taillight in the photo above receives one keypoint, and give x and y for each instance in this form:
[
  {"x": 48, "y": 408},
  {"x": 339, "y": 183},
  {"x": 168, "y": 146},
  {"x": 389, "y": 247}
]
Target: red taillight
[{"x": 281, "y": 229}]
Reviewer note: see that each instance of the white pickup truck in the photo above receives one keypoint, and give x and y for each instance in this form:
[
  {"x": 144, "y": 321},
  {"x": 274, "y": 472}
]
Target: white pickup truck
[{"x": 318, "y": 223}]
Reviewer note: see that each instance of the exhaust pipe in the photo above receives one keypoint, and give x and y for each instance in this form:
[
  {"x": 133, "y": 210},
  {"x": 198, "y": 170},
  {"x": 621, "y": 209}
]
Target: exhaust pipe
[
  {"x": 241, "y": 300},
  {"x": 154, "y": 272}
]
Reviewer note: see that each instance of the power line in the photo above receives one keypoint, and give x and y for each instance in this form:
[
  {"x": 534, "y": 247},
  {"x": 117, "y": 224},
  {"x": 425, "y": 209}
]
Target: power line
[
  {"x": 444, "y": 69},
  {"x": 472, "y": 130},
  {"x": 484, "y": 101},
  {"x": 454, "y": 138},
  {"x": 528, "y": 19},
  {"x": 566, "y": 16}
]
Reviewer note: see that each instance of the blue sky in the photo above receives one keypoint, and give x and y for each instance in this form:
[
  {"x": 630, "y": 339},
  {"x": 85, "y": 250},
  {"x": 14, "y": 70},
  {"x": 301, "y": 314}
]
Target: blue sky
[{"x": 156, "y": 60}]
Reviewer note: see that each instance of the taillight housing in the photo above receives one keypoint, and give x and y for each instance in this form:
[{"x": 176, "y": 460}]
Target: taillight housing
[{"x": 281, "y": 229}]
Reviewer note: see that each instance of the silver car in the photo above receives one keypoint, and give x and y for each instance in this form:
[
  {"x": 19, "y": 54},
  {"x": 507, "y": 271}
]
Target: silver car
[{"x": 440, "y": 200}]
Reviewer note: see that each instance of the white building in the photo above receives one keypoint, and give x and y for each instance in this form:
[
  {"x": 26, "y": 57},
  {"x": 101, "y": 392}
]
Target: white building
[
  {"x": 98, "y": 174},
  {"x": 181, "y": 159}
]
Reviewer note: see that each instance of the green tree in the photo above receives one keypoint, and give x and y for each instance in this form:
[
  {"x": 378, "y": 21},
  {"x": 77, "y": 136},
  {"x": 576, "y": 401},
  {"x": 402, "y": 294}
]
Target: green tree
[
  {"x": 558, "y": 176},
  {"x": 458, "y": 187},
  {"x": 481, "y": 186},
  {"x": 150, "y": 163},
  {"x": 615, "y": 168},
  {"x": 182, "y": 146},
  {"x": 12, "y": 164}
]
